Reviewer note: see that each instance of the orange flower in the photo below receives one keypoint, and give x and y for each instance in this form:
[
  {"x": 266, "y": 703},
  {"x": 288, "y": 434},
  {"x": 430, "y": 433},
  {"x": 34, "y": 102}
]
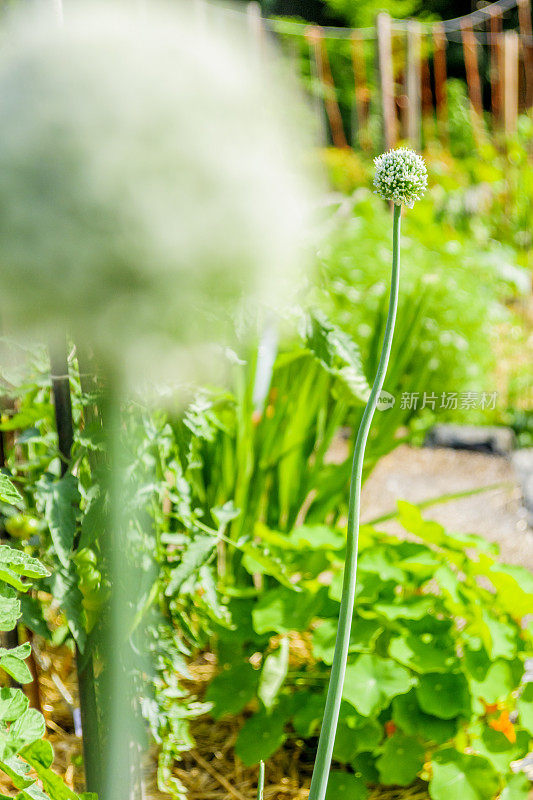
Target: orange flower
[{"x": 504, "y": 724}]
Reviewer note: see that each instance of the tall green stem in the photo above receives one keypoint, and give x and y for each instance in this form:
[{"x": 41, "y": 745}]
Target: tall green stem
[{"x": 326, "y": 741}]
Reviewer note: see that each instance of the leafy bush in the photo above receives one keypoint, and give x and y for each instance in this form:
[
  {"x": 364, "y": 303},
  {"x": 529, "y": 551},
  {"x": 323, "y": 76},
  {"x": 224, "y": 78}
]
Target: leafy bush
[
  {"x": 22, "y": 746},
  {"x": 436, "y": 659}
]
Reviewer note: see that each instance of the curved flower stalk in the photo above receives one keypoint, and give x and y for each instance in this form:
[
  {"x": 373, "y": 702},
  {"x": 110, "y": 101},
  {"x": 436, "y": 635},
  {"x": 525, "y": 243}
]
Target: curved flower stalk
[{"x": 400, "y": 177}]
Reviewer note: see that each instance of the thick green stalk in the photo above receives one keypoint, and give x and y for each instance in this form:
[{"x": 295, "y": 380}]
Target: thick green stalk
[{"x": 326, "y": 741}]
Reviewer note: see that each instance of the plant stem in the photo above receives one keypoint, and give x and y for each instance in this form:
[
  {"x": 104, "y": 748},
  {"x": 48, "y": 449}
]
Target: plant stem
[
  {"x": 326, "y": 741},
  {"x": 84, "y": 663},
  {"x": 261, "y": 780}
]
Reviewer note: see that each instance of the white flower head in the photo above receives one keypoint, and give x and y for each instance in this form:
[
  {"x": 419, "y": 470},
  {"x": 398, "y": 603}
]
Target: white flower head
[{"x": 401, "y": 176}]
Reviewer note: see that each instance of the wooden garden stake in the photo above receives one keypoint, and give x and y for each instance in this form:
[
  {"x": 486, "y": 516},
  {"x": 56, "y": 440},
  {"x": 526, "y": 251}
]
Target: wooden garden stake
[
  {"x": 496, "y": 66},
  {"x": 472, "y": 69},
  {"x": 362, "y": 93},
  {"x": 386, "y": 80},
  {"x": 439, "y": 67},
  {"x": 524, "y": 20},
  {"x": 510, "y": 81},
  {"x": 315, "y": 78},
  {"x": 316, "y": 38},
  {"x": 413, "y": 85}
]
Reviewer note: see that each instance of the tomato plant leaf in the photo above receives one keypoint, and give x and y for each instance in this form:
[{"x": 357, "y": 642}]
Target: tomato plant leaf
[
  {"x": 61, "y": 500},
  {"x": 8, "y": 493}
]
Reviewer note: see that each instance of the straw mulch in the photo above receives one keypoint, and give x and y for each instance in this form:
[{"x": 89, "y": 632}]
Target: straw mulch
[{"x": 210, "y": 771}]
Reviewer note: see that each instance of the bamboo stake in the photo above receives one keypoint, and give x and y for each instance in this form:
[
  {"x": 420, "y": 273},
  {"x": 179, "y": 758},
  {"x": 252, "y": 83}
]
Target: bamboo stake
[
  {"x": 325, "y": 76},
  {"x": 510, "y": 81},
  {"x": 439, "y": 66},
  {"x": 524, "y": 21},
  {"x": 362, "y": 93},
  {"x": 413, "y": 85},
  {"x": 386, "y": 81}
]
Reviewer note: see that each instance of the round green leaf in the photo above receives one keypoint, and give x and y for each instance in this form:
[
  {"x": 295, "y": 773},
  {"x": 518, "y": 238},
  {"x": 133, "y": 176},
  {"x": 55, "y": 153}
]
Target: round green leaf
[
  {"x": 444, "y": 695},
  {"x": 408, "y": 715},
  {"x": 232, "y": 689},
  {"x": 459, "y": 776},
  {"x": 423, "y": 656},
  {"x": 346, "y": 786},
  {"x": 401, "y": 760},
  {"x": 371, "y": 682},
  {"x": 260, "y": 737}
]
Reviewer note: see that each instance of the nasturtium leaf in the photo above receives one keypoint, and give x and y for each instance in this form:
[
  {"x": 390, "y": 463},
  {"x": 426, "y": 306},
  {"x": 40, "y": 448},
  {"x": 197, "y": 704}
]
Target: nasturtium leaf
[
  {"x": 525, "y": 708},
  {"x": 273, "y": 674},
  {"x": 413, "y": 521},
  {"x": 444, "y": 695},
  {"x": 499, "y": 681},
  {"x": 408, "y": 608},
  {"x": 366, "y": 591},
  {"x": 371, "y": 682},
  {"x": 61, "y": 500},
  {"x": 8, "y": 493},
  {"x": 355, "y": 735},
  {"x": 364, "y": 766},
  {"x": 516, "y": 787},
  {"x": 13, "y": 703},
  {"x": 363, "y": 635},
  {"x": 460, "y": 776},
  {"x": 499, "y": 750},
  {"x": 282, "y": 611},
  {"x": 317, "y": 537},
  {"x": 308, "y": 717},
  {"x": 450, "y": 584},
  {"x": 379, "y": 561},
  {"x": 260, "y": 737},
  {"x": 503, "y": 636},
  {"x": 401, "y": 760},
  {"x": 423, "y": 655},
  {"x": 16, "y": 668},
  {"x": 408, "y": 715},
  {"x": 346, "y": 786},
  {"x": 513, "y": 589},
  {"x": 232, "y": 689}
]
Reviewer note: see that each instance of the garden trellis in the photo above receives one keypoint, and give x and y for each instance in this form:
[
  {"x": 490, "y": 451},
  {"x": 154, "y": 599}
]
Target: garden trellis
[{"x": 408, "y": 90}]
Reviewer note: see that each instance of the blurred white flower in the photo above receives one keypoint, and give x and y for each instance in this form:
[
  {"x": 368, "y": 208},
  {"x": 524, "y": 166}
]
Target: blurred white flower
[{"x": 149, "y": 178}]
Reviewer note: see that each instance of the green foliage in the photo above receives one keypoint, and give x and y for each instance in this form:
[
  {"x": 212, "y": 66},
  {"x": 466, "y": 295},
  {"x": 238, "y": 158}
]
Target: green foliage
[
  {"x": 21, "y": 728},
  {"x": 434, "y": 669}
]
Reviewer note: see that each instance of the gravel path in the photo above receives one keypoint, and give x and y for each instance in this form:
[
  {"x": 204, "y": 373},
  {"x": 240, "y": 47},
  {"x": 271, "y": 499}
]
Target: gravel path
[{"x": 421, "y": 474}]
